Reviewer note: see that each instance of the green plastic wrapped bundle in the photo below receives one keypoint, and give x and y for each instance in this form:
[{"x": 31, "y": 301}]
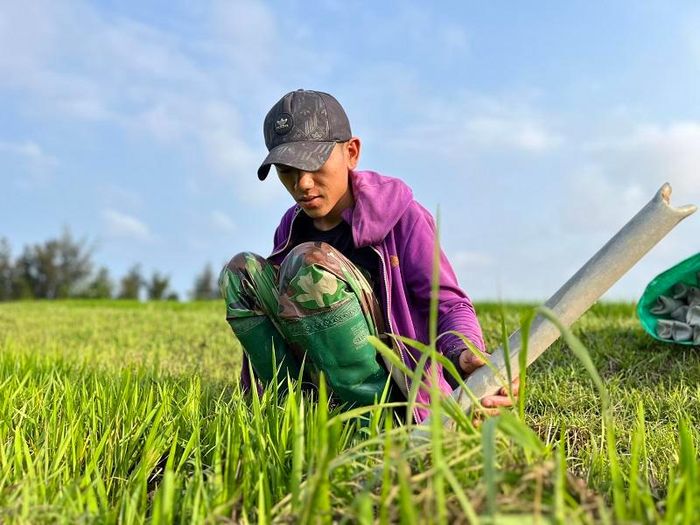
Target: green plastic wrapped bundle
[{"x": 669, "y": 308}]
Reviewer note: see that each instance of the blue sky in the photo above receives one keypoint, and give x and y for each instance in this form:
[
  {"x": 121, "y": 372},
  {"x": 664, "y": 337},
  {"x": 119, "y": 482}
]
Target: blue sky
[{"x": 538, "y": 128}]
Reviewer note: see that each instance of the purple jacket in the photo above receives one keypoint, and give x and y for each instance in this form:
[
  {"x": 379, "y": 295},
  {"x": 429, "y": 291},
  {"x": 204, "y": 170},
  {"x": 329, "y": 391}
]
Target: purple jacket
[{"x": 402, "y": 232}]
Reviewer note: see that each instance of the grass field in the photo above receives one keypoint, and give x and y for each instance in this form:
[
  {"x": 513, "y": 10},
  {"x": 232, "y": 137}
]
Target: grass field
[{"x": 124, "y": 412}]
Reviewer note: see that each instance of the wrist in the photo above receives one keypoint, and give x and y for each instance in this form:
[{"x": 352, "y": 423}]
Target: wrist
[{"x": 453, "y": 354}]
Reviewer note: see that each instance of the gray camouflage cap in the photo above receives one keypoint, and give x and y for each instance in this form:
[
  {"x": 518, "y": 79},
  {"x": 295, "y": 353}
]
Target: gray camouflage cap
[{"x": 301, "y": 130}]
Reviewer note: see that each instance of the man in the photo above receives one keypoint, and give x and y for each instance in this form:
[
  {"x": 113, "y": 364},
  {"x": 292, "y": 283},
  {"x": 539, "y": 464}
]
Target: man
[{"x": 353, "y": 257}]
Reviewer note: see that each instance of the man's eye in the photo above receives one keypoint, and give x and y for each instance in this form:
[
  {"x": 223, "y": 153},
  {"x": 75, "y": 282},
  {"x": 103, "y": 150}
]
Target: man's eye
[{"x": 285, "y": 171}]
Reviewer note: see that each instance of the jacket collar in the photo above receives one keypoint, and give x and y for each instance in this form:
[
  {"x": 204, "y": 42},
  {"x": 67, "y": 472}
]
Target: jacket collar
[{"x": 380, "y": 201}]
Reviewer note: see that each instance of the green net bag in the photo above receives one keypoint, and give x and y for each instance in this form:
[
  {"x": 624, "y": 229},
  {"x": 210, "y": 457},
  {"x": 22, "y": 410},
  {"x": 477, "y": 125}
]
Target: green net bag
[{"x": 671, "y": 300}]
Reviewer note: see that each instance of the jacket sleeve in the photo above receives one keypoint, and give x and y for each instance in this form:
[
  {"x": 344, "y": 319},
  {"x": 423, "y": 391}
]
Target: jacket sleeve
[
  {"x": 455, "y": 309},
  {"x": 245, "y": 373}
]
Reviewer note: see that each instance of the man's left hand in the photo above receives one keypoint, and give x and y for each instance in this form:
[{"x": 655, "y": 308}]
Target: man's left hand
[{"x": 491, "y": 404}]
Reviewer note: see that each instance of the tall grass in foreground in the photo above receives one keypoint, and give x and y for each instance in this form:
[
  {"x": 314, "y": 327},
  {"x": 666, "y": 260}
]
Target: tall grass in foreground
[{"x": 92, "y": 432}]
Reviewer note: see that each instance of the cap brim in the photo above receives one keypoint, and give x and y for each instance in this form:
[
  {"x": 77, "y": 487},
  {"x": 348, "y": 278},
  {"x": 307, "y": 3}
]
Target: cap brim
[{"x": 307, "y": 156}]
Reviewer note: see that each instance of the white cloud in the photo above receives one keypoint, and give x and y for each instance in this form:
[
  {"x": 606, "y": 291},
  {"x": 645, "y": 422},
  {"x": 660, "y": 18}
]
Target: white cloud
[
  {"x": 114, "y": 195},
  {"x": 655, "y": 152},
  {"x": 230, "y": 157},
  {"x": 454, "y": 39},
  {"x": 495, "y": 132},
  {"x": 34, "y": 165},
  {"x": 460, "y": 133},
  {"x": 595, "y": 201},
  {"x": 416, "y": 30},
  {"x": 222, "y": 222},
  {"x": 621, "y": 173},
  {"x": 471, "y": 259},
  {"x": 163, "y": 120},
  {"x": 152, "y": 84},
  {"x": 470, "y": 124},
  {"x": 30, "y": 151},
  {"x": 247, "y": 32},
  {"x": 125, "y": 226}
]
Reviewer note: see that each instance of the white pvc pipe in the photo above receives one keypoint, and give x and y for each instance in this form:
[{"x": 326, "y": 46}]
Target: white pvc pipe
[{"x": 604, "y": 269}]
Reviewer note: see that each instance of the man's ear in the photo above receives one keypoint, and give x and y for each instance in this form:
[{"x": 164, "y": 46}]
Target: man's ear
[{"x": 352, "y": 149}]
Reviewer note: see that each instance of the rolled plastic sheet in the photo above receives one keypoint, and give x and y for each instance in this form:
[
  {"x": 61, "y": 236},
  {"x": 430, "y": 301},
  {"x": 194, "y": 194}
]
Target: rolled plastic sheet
[
  {"x": 693, "y": 316},
  {"x": 694, "y": 295},
  {"x": 681, "y": 331},
  {"x": 680, "y": 313},
  {"x": 665, "y": 305},
  {"x": 651, "y": 224},
  {"x": 664, "y": 329},
  {"x": 679, "y": 291},
  {"x": 675, "y": 330}
]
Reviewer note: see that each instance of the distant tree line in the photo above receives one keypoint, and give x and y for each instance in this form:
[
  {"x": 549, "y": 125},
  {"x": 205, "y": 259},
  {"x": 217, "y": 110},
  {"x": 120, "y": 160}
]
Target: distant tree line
[{"x": 62, "y": 268}]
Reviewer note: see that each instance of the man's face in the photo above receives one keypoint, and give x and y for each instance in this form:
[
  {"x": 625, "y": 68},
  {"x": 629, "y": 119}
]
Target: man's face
[{"x": 323, "y": 194}]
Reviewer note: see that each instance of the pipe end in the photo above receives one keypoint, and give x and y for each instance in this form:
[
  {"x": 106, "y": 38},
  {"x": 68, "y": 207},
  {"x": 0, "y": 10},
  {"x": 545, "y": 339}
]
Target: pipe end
[
  {"x": 665, "y": 195},
  {"x": 665, "y": 192}
]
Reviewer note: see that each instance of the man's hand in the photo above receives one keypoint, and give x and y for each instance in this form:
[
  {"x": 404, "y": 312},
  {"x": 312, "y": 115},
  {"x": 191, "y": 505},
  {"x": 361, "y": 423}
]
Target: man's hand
[{"x": 492, "y": 404}]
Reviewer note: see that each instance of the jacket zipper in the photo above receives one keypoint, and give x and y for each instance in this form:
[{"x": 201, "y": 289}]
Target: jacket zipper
[
  {"x": 391, "y": 328},
  {"x": 289, "y": 237}
]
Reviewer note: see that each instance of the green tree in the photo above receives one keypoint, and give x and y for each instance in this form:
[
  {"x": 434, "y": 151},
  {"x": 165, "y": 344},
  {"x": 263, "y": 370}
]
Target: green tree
[
  {"x": 53, "y": 270},
  {"x": 101, "y": 286},
  {"x": 131, "y": 284},
  {"x": 205, "y": 285},
  {"x": 6, "y": 270},
  {"x": 157, "y": 286}
]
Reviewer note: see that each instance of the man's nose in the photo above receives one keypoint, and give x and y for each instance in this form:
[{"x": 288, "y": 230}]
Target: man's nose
[{"x": 305, "y": 180}]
